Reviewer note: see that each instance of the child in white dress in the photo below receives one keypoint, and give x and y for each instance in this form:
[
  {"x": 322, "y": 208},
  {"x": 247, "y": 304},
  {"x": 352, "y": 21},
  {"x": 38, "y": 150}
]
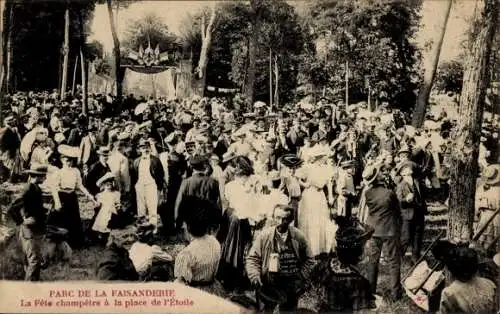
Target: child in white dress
[{"x": 109, "y": 202}]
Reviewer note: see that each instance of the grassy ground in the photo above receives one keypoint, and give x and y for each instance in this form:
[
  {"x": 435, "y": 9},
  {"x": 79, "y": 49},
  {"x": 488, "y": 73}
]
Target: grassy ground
[{"x": 83, "y": 264}]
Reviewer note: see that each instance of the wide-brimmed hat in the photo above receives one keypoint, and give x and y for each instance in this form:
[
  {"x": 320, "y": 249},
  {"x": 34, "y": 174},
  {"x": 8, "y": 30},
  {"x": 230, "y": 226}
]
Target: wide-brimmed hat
[
  {"x": 68, "y": 151},
  {"x": 108, "y": 177},
  {"x": 370, "y": 173},
  {"x": 405, "y": 164},
  {"x": 103, "y": 151},
  {"x": 492, "y": 174},
  {"x": 37, "y": 171},
  {"x": 351, "y": 232},
  {"x": 290, "y": 161}
]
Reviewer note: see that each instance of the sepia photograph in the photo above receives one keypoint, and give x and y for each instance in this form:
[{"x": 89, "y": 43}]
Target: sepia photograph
[{"x": 253, "y": 156}]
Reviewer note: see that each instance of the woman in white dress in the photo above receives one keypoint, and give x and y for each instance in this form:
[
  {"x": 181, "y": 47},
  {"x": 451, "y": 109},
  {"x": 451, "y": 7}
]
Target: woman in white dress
[{"x": 314, "y": 215}]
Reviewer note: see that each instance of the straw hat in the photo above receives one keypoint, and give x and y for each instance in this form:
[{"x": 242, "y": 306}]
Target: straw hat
[
  {"x": 108, "y": 177},
  {"x": 103, "y": 151},
  {"x": 370, "y": 173},
  {"x": 492, "y": 174}
]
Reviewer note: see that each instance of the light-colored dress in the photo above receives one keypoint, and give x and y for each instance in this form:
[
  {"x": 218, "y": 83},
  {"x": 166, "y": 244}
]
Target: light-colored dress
[
  {"x": 314, "y": 216},
  {"x": 487, "y": 202},
  {"x": 109, "y": 201}
]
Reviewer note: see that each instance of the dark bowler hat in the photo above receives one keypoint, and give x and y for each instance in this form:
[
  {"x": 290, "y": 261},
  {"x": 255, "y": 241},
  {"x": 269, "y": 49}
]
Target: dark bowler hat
[{"x": 290, "y": 161}]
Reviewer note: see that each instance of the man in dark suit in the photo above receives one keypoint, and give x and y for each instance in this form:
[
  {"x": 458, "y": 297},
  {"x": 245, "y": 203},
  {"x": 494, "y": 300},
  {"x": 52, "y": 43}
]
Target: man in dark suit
[
  {"x": 29, "y": 214},
  {"x": 97, "y": 170},
  {"x": 198, "y": 188},
  {"x": 384, "y": 215},
  {"x": 149, "y": 183},
  {"x": 413, "y": 209}
]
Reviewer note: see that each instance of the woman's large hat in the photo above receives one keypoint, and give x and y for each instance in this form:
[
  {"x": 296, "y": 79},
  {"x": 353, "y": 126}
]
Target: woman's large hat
[
  {"x": 68, "y": 151},
  {"x": 492, "y": 174},
  {"x": 351, "y": 232}
]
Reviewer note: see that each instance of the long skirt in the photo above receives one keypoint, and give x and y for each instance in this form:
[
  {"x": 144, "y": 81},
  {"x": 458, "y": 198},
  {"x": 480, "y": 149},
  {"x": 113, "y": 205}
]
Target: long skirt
[
  {"x": 68, "y": 217},
  {"x": 314, "y": 221},
  {"x": 235, "y": 236}
]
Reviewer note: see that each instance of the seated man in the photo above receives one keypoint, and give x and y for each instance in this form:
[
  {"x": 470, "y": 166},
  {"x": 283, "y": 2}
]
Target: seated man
[{"x": 115, "y": 263}]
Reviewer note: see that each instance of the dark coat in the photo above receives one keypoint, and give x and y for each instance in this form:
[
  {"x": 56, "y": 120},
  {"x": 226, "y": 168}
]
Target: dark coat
[
  {"x": 96, "y": 171},
  {"x": 29, "y": 204},
  {"x": 384, "y": 212},
  {"x": 198, "y": 188},
  {"x": 9, "y": 141},
  {"x": 416, "y": 206},
  {"x": 155, "y": 168}
]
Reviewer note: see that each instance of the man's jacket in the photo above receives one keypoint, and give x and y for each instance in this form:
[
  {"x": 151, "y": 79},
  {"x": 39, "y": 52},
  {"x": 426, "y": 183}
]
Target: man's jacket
[{"x": 257, "y": 261}]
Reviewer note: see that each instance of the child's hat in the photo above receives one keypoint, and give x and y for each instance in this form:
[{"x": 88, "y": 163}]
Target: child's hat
[{"x": 105, "y": 178}]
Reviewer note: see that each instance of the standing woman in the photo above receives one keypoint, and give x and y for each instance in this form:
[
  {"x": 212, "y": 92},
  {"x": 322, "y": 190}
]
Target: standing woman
[
  {"x": 65, "y": 183},
  {"x": 314, "y": 215},
  {"x": 240, "y": 214}
]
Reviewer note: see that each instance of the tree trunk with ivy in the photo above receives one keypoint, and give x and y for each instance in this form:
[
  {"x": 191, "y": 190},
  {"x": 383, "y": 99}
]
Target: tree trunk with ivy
[
  {"x": 252, "y": 50},
  {"x": 430, "y": 73},
  {"x": 464, "y": 167}
]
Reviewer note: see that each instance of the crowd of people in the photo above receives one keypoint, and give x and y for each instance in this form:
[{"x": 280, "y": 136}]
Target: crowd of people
[{"x": 272, "y": 199}]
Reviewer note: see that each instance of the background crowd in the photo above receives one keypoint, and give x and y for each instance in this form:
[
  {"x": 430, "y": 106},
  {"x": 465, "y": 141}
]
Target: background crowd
[{"x": 268, "y": 198}]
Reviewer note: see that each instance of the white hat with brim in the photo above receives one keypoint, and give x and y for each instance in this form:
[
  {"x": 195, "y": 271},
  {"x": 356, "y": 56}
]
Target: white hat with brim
[
  {"x": 108, "y": 177},
  {"x": 68, "y": 151},
  {"x": 370, "y": 173}
]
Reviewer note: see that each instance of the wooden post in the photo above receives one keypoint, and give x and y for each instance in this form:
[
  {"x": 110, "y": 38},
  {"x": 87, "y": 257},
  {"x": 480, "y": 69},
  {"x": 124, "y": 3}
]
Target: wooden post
[
  {"x": 84, "y": 66},
  {"x": 270, "y": 79},
  {"x": 346, "y": 84},
  {"x": 74, "y": 75},
  {"x": 66, "y": 54},
  {"x": 276, "y": 78}
]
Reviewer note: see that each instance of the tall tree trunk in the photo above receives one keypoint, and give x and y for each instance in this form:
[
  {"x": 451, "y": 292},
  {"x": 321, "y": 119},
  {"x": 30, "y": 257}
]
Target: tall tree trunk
[
  {"x": 252, "y": 50},
  {"x": 116, "y": 52},
  {"x": 3, "y": 23},
  {"x": 66, "y": 54},
  {"x": 206, "y": 37},
  {"x": 430, "y": 72},
  {"x": 464, "y": 168},
  {"x": 8, "y": 50}
]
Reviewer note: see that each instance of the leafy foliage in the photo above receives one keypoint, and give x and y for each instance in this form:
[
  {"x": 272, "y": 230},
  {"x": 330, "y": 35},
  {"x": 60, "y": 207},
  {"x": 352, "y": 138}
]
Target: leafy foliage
[
  {"x": 149, "y": 30},
  {"x": 37, "y": 32},
  {"x": 449, "y": 77},
  {"x": 373, "y": 37}
]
